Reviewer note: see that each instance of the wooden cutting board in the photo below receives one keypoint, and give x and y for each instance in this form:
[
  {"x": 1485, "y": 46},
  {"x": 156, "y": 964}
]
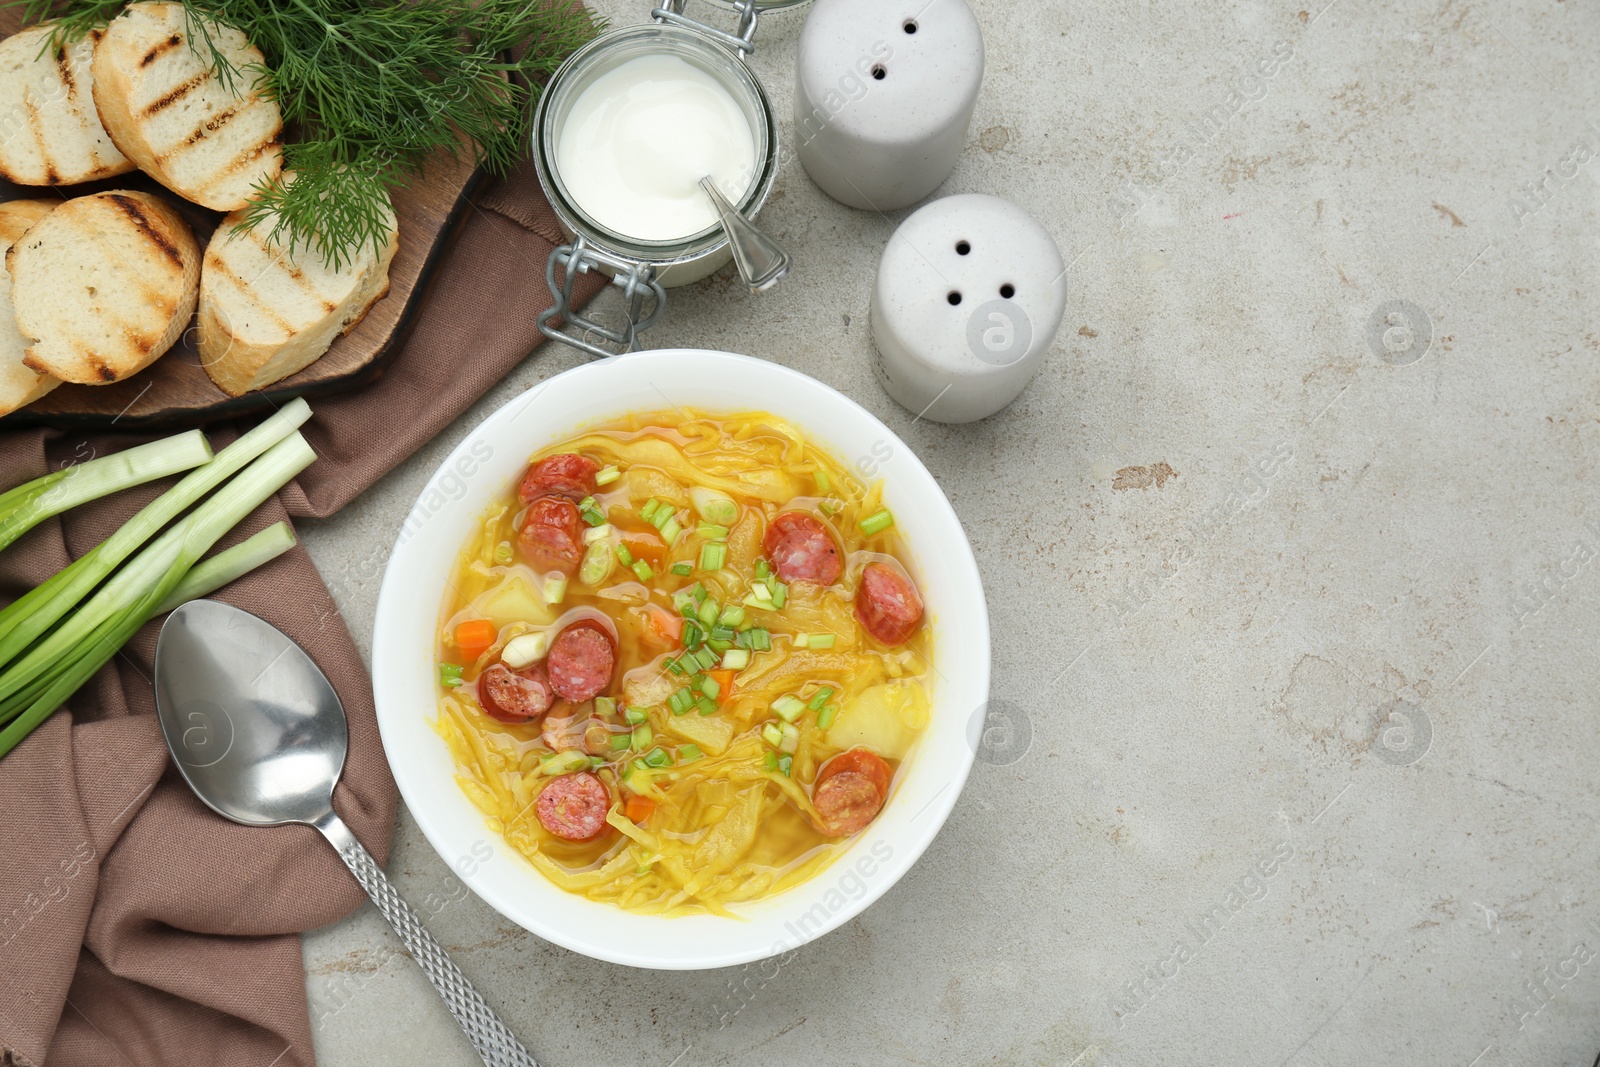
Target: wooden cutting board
[{"x": 175, "y": 391}]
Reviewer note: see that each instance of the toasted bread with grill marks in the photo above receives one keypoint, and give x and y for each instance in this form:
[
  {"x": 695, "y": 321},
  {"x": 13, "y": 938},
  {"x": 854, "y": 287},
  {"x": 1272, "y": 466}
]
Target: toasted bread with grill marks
[
  {"x": 103, "y": 285},
  {"x": 166, "y": 109},
  {"x": 19, "y": 384},
  {"x": 50, "y": 132},
  {"x": 265, "y": 316}
]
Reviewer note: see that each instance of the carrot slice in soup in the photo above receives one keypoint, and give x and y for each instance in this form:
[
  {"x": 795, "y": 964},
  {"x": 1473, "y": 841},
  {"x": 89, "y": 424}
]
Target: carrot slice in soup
[{"x": 474, "y": 637}]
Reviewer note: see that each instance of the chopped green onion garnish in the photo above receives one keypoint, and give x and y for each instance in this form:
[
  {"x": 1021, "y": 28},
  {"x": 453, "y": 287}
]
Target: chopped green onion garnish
[
  {"x": 675, "y": 667},
  {"x": 562, "y": 762},
  {"x": 680, "y": 701},
  {"x": 586, "y": 503},
  {"x": 770, "y": 760},
  {"x": 648, "y": 511},
  {"x": 661, "y": 516},
  {"x": 597, "y": 563},
  {"x": 756, "y": 639},
  {"x": 706, "y": 705},
  {"x": 877, "y": 522},
  {"x": 722, "y": 633},
  {"x": 684, "y": 603},
  {"x": 712, "y": 532},
  {"x": 829, "y": 508},
  {"x": 450, "y": 675},
  {"x": 689, "y": 753},
  {"x": 657, "y": 757},
  {"x": 642, "y": 569},
  {"x": 821, "y": 477},
  {"x": 607, "y": 475},
  {"x": 802, "y": 640},
  {"x": 683, "y": 570},
  {"x": 713, "y": 554},
  {"x": 821, "y": 641},
  {"x": 643, "y": 735},
  {"x": 605, "y": 706},
  {"x": 819, "y": 698},
  {"x": 620, "y": 741},
  {"x": 718, "y": 645},
  {"x": 772, "y": 734},
  {"x": 502, "y": 553},
  {"x": 706, "y": 658},
  {"x": 555, "y": 589},
  {"x": 788, "y": 708},
  {"x": 670, "y": 530},
  {"x": 732, "y": 615},
  {"x": 791, "y": 738},
  {"x": 825, "y": 717},
  {"x": 762, "y": 569},
  {"x": 714, "y": 506},
  {"x": 593, "y": 516},
  {"x": 624, "y": 557},
  {"x": 784, "y": 765},
  {"x": 692, "y": 634},
  {"x": 699, "y": 592},
  {"x": 736, "y": 659},
  {"x": 596, "y": 762},
  {"x": 708, "y": 612},
  {"x": 780, "y": 593},
  {"x": 633, "y": 715},
  {"x": 709, "y": 686}
]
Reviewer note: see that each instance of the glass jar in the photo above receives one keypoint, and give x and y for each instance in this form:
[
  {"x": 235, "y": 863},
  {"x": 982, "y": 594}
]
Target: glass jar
[{"x": 645, "y": 269}]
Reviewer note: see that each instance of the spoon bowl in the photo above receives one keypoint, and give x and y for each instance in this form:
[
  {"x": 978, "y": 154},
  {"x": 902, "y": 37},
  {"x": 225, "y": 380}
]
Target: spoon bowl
[{"x": 254, "y": 726}]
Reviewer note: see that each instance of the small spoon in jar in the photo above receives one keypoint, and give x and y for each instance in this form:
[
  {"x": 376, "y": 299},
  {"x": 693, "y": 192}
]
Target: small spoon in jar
[{"x": 760, "y": 259}]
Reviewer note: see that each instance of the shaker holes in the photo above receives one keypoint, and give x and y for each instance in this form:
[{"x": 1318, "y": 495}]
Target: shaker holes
[
  {"x": 954, "y": 297},
  {"x": 962, "y": 248},
  {"x": 1008, "y": 290},
  {"x": 910, "y": 25},
  {"x": 878, "y": 72}
]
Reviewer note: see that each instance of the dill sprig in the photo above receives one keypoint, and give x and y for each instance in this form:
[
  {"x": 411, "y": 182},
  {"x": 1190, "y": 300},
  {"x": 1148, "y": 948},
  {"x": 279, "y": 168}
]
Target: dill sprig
[{"x": 369, "y": 91}]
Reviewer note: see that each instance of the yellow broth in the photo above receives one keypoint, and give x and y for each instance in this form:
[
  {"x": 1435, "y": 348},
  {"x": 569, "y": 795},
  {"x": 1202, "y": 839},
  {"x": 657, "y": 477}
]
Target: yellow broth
[{"x": 727, "y": 827}]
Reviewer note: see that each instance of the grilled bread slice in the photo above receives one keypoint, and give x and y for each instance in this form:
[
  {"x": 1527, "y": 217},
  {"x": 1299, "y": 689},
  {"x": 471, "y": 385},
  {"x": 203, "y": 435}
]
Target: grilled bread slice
[
  {"x": 19, "y": 385},
  {"x": 265, "y": 315},
  {"x": 103, "y": 285},
  {"x": 50, "y": 133},
  {"x": 165, "y": 107}
]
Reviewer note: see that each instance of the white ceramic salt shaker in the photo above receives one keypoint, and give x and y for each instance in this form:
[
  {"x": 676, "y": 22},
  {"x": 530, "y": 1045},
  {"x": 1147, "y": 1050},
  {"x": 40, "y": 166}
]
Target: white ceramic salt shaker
[
  {"x": 884, "y": 94},
  {"x": 969, "y": 295}
]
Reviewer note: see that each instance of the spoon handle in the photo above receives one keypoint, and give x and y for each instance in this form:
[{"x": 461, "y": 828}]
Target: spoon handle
[{"x": 494, "y": 1042}]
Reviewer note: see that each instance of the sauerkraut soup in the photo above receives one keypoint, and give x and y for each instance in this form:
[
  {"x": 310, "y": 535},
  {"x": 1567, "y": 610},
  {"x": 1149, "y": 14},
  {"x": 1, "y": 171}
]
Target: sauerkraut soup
[{"x": 681, "y": 662}]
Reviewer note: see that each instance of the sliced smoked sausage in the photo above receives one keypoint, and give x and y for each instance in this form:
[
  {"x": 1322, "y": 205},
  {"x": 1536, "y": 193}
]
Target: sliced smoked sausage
[
  {"x": 850, "y": 791},
  {"x": 887, "y": 604},
  {"x": 552, "y": 535},
  {"x": 801, "y": 549},
  {"x": 573, "y": 807},
  {"x": 514, "y": 696},
  {"x": 566, "y": 475},
  {"x": 582, "y": 661}
]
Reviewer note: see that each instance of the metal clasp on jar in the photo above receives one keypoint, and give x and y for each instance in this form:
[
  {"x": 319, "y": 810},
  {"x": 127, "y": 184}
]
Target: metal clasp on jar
[{"x": 636, "y": 280}]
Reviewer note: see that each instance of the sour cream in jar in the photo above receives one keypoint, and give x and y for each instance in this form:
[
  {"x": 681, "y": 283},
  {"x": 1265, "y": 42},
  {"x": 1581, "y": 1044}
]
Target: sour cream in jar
[{"x": 637, "y": 140}]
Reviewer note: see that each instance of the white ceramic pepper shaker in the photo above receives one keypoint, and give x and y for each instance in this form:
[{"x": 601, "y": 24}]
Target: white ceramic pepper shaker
[
  {"x": 969, "y": 295},
  {"x": 884, "y": 94}
]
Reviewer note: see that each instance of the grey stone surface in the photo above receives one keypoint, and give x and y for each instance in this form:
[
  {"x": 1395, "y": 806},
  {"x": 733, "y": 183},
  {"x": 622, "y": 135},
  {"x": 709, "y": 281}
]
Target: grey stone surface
[{"x": 1304, "y": 627}]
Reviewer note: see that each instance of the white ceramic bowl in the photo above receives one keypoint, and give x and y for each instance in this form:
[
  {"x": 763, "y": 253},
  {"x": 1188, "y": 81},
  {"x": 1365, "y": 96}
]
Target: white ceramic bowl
[{"x": 491, "y": 459}]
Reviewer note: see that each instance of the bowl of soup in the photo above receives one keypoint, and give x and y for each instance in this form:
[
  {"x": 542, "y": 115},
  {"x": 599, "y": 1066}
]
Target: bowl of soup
[{"x": 678, "y": 657}]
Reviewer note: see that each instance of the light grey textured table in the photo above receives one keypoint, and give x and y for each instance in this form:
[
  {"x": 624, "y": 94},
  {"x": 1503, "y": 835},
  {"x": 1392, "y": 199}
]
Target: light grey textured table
[{"x": 1302, "y": 614}]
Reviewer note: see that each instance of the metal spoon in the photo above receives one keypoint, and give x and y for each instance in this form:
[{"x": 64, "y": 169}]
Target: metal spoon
[
  {"x": 260, "y": 736},
  {"x": 760, "y": 259}
]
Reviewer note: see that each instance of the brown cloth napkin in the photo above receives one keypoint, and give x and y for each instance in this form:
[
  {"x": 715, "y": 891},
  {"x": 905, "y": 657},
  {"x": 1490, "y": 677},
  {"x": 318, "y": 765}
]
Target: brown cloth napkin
[{"x": 136, "y": 927}]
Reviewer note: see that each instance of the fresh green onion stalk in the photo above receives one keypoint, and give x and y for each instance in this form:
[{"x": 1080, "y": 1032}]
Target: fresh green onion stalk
[{"x": 26, "y": 506}]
